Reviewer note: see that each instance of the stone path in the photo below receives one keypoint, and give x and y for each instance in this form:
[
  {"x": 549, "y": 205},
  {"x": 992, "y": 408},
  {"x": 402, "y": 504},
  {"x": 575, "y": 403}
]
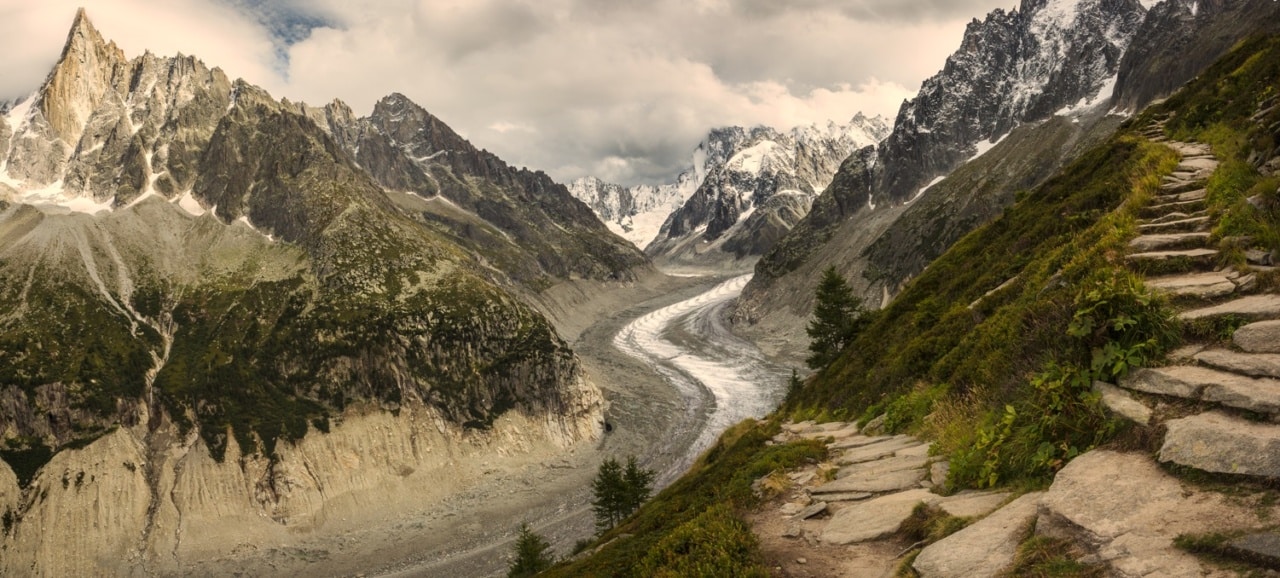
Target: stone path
[{"x": 1218, "y": 405}]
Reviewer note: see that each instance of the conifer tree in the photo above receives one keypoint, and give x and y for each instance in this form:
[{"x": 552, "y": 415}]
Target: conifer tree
[
  {"x": 609, "y": 488},
  {"x": 532, "y": 554},
  {"x": 638, "y": 483},
  {"x": 619, "y": 491},
  {"x": 837, "y": 319}
]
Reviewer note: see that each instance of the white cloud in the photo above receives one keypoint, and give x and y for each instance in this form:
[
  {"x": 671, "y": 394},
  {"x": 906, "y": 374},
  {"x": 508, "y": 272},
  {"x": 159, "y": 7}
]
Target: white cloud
[{"x": 620, "y": 88}]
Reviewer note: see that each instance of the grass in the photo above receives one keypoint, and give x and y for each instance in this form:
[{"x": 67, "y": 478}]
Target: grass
[
  {"x": 706, "y": 499},
  {"x": 1046, "y": 557}
]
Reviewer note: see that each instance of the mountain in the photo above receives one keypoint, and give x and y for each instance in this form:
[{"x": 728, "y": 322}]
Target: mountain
[
  {"x": 1025, "y": 67},
  {"x": 245, "y": 326},
  {"x": 735, "y": 172}
]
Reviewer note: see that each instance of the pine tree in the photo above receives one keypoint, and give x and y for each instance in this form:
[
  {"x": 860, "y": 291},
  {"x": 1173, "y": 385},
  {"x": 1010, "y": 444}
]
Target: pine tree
[
  {"x": 837, "y": 319},
  {"x": 638, "y": 483},
  {"x": 609, "y": 488},
  {"x": 532, "y": 554},
  {"x": 619, "y": 491}
]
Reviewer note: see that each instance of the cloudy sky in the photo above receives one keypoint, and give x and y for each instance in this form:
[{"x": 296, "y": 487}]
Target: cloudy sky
[{"x": 621, "y": 89}]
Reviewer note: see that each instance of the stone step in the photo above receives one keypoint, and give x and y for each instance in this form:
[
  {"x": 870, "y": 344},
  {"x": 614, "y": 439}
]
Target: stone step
[
  {"x": 1261, "y": 395},
  {"x": 1251, "y": 364},
  {"x": 1193, "y": 224},
  {"x": 983, "y": 549},
  {"x": 1260, "y": 337},
  {"x": 1173, "y": 216},
  {"x": 873, "y": 519},
  {"x": 1164, "y": 208},
  {"x": 1197, "y": 164},
  {"x": 1198, "y": 285},
  {"x": 883, "y": 466},
  {"x": 1187, "y": 149},
  {"x": 1174, "y": 188},
  {"x": 1251, "y": 308},
  {"x": 877, "y": 450},
  {"x": 1220, "y": 443},
  {"x": 1194, "y": 194},
  {"x": 1171, "y": 262},
  {"x": 1166, "y": 241}
]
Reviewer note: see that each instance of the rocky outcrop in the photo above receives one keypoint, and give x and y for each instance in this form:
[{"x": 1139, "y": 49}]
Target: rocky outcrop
[
  {"x": 1180, "y": 38},
  {"x": 125, "y": 503},
  {"x": 744, "y": 170},
  {"x": 1013, "y": 67}
]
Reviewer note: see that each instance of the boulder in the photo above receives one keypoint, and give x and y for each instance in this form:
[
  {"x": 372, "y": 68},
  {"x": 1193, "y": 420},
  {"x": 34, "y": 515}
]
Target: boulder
[{"x": 972, "y": 504}]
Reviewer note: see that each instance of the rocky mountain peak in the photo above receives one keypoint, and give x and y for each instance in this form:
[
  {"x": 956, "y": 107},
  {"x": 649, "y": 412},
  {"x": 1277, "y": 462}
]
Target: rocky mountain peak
[
  {"x": 77, "y": 84},
  {"x": 1012, "y": 67}
]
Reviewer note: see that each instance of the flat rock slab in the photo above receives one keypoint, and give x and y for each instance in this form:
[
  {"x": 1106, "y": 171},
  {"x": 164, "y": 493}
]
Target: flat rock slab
[
  {"x": 1122, "y": 403},
  {"x": 1220, "y": 443},
  {"x": 1147, "y": 243},
  {"x": 1261, "y": 337},
  {"x": 1166, "y": 255},
  {"x": 1166, "y": 207},
  {"x": 1253, "y": 307},
  {"x": 972, "y": 504},
  {"x": 812, "y": 510},
  {"x": 1202, "y": 285},
  {"x": 1191, "y": 224},
  {"x": 874, "y": 483},
  {"x": 884, "y": 466},
  {"x": 1261, "y": 549},
  {"x": 1173, "y": 216},
  {"x": 877, "y": 451},
  {"x": 1198, "y": 164},
  {"x": 860, "y": 441},
  {"x": 1202, "y": 383},
  {"x": 1126, "y": 510},
  {"x": 874, "y": 518},
  {"x": 838, "y": 434},
  {"x": 846, "y": 497},
  {"x": 1252, "y": 364},
  {"x": 1187, "y": 382},
  {"x": 984, "y": 549}
]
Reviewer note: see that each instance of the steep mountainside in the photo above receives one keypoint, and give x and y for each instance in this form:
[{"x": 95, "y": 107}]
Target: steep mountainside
[
  {"x": 208, "y": 303},
  {"x": 1179, "y": 38},
  {"x": 1043, "y": 60},
  {"x": 521, "y": 221},
  {"x": 735, "y": 172}
]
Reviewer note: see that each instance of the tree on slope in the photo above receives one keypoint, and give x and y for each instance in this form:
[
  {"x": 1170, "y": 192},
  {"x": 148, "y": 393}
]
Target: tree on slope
[
  {"x": 838, "y": 317},
  {"x": 532, "y": 554},
  {"x": 619, "y": 491}
]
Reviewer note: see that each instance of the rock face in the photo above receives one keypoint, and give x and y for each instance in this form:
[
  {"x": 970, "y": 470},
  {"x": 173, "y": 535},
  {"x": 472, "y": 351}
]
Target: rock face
[
  {"x": 235, "y": 326},
  {"x": 538, "y": 232},
  {"x": 736, "y": 172},
  {"x": 1013, "y": 67},
  {"x": 1179, "y": 38}
]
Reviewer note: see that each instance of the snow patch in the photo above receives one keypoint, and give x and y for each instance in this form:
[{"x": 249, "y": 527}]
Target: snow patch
[
  {"x": 985, "y": 146},
  {"x": 244, "y": 220},
  {"x": 1104, "y": 94},
  {"x": 752, "y": 159},
  {"x": 922, "y": 190}
]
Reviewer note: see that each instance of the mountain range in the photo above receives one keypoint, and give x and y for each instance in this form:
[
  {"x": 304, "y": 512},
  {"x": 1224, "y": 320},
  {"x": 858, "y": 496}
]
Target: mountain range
[{"x": 745, "y": 188}]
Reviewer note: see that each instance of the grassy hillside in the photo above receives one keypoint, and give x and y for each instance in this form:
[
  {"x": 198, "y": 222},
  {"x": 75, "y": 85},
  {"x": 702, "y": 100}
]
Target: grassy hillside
[{"x": 993, "y": 348}]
